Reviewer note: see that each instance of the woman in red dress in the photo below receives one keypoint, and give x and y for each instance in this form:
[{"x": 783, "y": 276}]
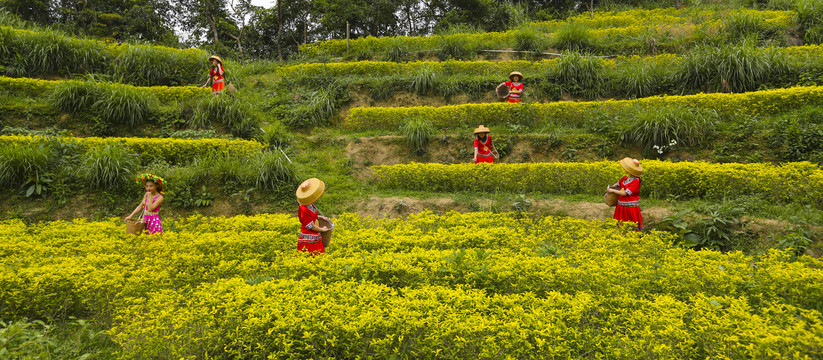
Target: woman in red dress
[
  {"x": 628, "y": 196},
  {"x": 483, "y": 146},
  {"x": 515, "y": 87},
  {"x": 309, "y": 238},
  {"x": 216, "y": 75}
]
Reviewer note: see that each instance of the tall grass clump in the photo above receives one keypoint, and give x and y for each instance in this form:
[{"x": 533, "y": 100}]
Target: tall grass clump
[
  {"x": 275, "y": 135},
  {"x": 273, "y": 170},
  {"x": 74, "y": 96},
  {"x": 20, "y": 162},
  {"x": 809, "y": 15},
  {"x": 424, "y": 80},
  {"x": 742, "y": 25},
  {"x": 228, "y": 110},
  {"x": 530, "y": 40},
  {"x": 637, "y": 78},
  {"x": 154, "y": 65},
  {"x": 122, "y": 104},
  {"x": 583, "y": 75},
  {"x": 572, "y": 36},
  {"x": 221, "y": 169},
  {"x": 397, "y": 50},
  {"x": 735, "y": 68},
  {"x": 456, "y": 47},
  {"x": 681, "y": 124},
  {"x": 108, "y": 166},
  {"x": 417, "y": 133}
]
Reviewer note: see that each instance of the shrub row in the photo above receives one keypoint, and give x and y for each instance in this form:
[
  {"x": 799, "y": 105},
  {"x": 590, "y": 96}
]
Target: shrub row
[
  {"x": 646, "y": 31},
  {"x": 37, "y": 87},
  {"x": 426, "y": 286},
  {"x": 176, "y": 151},
  {"x": 575, "y": 113},
  {"x": 787, "y": 183},
  {"x": 27, "y": 53}
]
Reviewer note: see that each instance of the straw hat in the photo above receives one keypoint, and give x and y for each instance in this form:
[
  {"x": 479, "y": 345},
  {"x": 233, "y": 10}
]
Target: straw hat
[
  {"x": 215, "y": 57},
  {"x": 310, "y": 190},
  {"x": 515, "y": 73},
  {"x": 632, "y": 166},
  {"x": 482, "y": 129}
]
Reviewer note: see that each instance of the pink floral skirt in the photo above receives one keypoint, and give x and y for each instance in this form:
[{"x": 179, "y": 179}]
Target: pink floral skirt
[{"x": 153, "y": 224}]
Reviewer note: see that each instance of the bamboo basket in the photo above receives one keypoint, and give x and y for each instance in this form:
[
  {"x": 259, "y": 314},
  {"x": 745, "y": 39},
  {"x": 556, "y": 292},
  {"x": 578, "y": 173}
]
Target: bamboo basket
[{"x": 326, "y": 236}]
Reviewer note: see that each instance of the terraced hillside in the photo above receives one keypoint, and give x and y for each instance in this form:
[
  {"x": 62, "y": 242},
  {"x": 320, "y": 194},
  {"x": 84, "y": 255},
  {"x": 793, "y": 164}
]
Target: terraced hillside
[{"x": 722, "y": 106}]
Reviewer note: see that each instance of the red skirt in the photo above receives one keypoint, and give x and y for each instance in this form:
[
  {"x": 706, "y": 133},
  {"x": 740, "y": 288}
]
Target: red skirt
[
  {"x": 487, "y": 159},
  {"x": 629, "y": 213},
  {"x": 316, "y": 247}
]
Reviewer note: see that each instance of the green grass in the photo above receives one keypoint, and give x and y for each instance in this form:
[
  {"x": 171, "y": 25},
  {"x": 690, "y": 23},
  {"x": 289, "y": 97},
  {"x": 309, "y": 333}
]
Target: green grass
[{"x": 108, "y": 167}]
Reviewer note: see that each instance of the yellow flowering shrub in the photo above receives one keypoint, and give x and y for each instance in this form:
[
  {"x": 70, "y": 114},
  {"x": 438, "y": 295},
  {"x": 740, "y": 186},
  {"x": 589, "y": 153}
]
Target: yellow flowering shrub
[
  {"x": 38, "y": 87},
  {"x": 571, "y": 113},
  {"x": 792, "y": 182},
  {"x": 168, "y": 149},
  {"x": 430, "y": 286},
  {"x": 616, "y": 31}
]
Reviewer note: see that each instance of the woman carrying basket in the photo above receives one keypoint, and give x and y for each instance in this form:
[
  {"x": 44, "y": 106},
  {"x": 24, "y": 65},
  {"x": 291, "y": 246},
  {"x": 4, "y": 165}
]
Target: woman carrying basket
[
  {"x": 628, "y": 194},
  {"x": 310, "y": 239},
  {"x": 483, "y": 146},
  {"x": 515, "y": 87},
  {"x": 151, "y": 202},
  {"x": 216, "y": 75}
]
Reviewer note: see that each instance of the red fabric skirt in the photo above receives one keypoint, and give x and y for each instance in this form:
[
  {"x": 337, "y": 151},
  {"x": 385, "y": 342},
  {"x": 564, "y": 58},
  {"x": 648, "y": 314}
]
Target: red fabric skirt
[
  {"x": 316, "y": 247},
  {"x": 487, "y": 159},
  {"x": 217, "y": 87},
  {"x": 629, "y": 213}
]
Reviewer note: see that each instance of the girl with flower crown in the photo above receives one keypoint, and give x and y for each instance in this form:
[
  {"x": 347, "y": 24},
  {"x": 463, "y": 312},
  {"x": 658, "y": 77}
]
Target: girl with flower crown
[
  {"x": 151, "y": 202},
  {"x": 628, "y": 194},
  {"x": 309, "y": 238}
]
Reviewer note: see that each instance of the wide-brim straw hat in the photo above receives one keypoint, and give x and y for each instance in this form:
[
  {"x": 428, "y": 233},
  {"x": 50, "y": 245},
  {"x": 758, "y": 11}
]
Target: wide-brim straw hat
[
  {"x": 515, "y": 73},
  {"x": 310, "y": 190},
  {"x": 632, "y": 166},
  {"x": 216, "y": 58},
  {"x": 482, "y": 129}
]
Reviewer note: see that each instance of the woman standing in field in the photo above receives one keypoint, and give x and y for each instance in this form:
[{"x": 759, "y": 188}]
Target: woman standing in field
[
  {"x": 151, "y": 202},
  {"x": 628, "y": 194},
  {"x": 515, "y": 87},
  {"x": 309, "y": 238},
  {"x": 483, "y": 146},
  {"x": 216, "y": 75}
]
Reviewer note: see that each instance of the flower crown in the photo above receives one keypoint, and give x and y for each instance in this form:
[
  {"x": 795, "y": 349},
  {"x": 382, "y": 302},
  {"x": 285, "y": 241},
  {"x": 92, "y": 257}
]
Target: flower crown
[{"x": 142, "y": 179}]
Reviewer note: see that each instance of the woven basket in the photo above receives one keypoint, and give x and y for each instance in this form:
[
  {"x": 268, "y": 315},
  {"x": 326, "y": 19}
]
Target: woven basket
[
  {"x": 611, "y": 198},
  {"x": 135, "y": 227},
  {"x": 326, "y": 236},
  {"x": 502, "y": 90}
]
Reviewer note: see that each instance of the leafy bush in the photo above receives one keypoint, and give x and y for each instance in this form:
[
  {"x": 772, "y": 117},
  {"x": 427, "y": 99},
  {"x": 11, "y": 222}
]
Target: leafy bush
[
  {"x": 742, "y": 25},
  {"x": 273, "y": 171},
  {"x": 735, "y": 68},
  {"x": 397, "y": 51},
  {"x": 683, "y": 125},
  {"x": 455, "y": 47},
  {"x": 800, "y": 183},
  {"x": 418, "y": 133},
  {"x": 424, "y": 80},
  {"x": 530, "y": 40},
  {"x": 582, "y": 74},
  {"x": 572, "y": 36},
  {"x": 21, "y": 162},
  {"x": 124, "y": 105},
  {"x": 230, "y": 111},
  {"x": 108, "y": 166}
]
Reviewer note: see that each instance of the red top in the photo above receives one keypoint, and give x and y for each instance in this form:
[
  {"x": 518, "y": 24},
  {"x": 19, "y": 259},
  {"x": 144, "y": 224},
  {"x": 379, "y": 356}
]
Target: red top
[
  {"x": 483, "y": 147},
  {"x": 219, "y": 73},
  {"x": 514, "y": 97},
  {"x": 307, "y": 215},
  {"x": 631, "y": 185}
]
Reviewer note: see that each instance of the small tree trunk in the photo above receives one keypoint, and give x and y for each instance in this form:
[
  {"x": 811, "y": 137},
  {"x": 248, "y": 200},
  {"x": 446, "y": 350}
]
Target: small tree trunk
[{"x": 279, "y": 30}]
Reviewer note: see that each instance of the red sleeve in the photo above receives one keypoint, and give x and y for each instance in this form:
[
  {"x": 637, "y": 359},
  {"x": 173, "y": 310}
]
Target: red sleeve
[
  {"x": 633, "y": 187},
  {"x": 509, "y": 83},
  {"x": 476, "y": 143},
  {"x": 490, "y": 140},
  {"x": 305, "y": 215}
]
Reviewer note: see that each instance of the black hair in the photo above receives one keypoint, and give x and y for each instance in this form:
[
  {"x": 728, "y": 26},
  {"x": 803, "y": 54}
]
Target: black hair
[{"x": 484, "y": 136}]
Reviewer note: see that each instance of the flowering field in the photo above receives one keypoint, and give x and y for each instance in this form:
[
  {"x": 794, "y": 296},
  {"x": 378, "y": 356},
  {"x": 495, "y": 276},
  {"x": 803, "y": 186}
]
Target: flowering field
[{"x": 477, "y": 285}]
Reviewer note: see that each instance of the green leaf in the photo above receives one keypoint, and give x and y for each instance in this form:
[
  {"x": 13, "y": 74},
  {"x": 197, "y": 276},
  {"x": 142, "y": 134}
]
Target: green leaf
[{"x": 30, "y": 191}]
